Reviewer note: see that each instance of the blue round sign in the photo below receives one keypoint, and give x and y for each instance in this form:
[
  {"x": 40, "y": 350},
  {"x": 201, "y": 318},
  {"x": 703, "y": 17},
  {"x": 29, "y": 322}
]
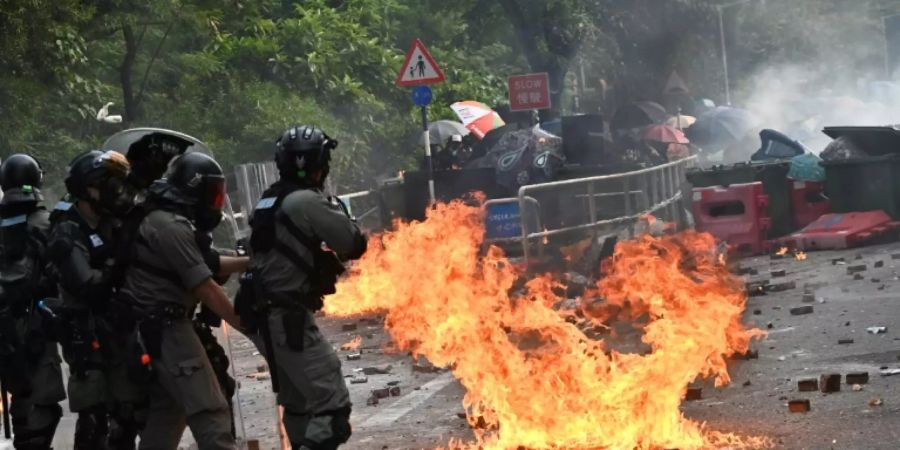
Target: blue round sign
[{"x": 421, "y": 95}]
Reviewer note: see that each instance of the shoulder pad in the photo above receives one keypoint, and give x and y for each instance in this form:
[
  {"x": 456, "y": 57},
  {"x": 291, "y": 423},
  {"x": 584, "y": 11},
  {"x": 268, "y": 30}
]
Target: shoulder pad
[
  {"x": 62, "y": 205},
  {"x": 266, "y": 203},
  {"x": 15, "y": 220}
]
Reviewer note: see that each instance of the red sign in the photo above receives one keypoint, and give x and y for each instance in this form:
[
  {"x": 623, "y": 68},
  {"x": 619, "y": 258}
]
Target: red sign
[
  {"x": 530, "y": 91},
  {"x": 419, "y": 67}
]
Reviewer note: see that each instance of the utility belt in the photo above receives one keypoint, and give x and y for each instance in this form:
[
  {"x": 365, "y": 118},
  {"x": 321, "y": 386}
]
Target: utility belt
[{"x": 144, "y": 343}]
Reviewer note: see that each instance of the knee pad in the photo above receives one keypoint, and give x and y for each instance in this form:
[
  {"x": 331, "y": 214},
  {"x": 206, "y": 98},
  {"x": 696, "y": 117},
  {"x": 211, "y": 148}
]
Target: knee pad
[
  {"x": 91, "y": 430},
  {"x": 38, "y": 439},
  {"x": 326, "y": 431}
]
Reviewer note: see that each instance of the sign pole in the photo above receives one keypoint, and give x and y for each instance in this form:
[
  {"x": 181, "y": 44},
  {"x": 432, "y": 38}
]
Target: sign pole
[{"x": 429, "y": 163}]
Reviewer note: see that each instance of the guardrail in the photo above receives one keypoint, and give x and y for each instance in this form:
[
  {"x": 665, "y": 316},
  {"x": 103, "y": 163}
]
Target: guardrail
[{"x": 587, "y": 205}]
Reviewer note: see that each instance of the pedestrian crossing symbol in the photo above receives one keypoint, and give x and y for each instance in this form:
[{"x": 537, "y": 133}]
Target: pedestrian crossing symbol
[{"x": 419, "y": 67}]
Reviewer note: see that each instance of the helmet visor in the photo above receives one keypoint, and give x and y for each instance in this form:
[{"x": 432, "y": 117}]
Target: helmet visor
[
  {"x": 215, "y": 191},
  {"x": 114, "y": 163}
]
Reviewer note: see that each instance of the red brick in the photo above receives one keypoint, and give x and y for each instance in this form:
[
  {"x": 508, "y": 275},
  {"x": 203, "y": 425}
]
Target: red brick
[
  {"x": 808, "y": 385},
  {"x": 858, "y": 378},
  {"x": 798, "y": 406},
  {"x": 830, "y": 382},
  {"x": 693, "y": 393}
]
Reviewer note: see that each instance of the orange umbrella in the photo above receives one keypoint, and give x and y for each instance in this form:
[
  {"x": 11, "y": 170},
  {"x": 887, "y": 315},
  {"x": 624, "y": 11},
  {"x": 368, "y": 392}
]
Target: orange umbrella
[
  {"x": 479, "y": 118},
  {"x": 665, "y": 134}
]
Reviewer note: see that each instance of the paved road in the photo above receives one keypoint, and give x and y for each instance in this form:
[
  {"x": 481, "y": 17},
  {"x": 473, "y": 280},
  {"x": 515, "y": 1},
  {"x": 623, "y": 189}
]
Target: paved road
[{"x": 805, "y": 346}]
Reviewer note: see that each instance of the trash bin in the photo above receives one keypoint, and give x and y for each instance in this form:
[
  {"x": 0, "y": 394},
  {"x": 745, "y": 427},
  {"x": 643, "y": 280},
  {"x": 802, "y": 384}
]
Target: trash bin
[
  {"x": 864, "y": 184},
  {"x": 776, "y": 185}
]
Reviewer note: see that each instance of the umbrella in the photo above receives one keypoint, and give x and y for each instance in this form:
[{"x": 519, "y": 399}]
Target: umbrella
[
  {"x": 442, "y": 130},
  {"x": 681, "y": 121},
  {"x": 638, "y": 114},
  {"x": 477, "y": 117},
  {"x": 721, "y": 127},
  {"x": 665, "y": 134}
]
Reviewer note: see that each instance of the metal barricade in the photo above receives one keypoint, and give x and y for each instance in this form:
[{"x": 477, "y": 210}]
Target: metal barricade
[{"x": 606, "y": 203}]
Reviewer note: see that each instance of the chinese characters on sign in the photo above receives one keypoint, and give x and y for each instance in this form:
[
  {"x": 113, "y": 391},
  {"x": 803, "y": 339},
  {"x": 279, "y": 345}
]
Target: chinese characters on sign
[{"x": 528, "y": 92}]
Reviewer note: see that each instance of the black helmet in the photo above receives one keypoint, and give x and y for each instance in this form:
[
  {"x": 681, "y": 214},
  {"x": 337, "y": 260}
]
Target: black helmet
[
  {"x": 196, "y": 182},
  {"x": 20, "y": 170},
  {"x": 20, "y": 178},
  {"x": 105, "y": 171},
  {"x": 302, "y": 150},
  {"x": 150, "y": 155}
]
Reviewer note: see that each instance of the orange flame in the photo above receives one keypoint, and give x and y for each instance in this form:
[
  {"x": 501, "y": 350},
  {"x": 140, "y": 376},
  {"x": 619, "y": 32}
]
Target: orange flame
[
  {"x": 800, "y": 256},
  {"x": 782, "y": 251},
  {"x": 352, "y": 345},
  {"x": 533, "y": 379}
]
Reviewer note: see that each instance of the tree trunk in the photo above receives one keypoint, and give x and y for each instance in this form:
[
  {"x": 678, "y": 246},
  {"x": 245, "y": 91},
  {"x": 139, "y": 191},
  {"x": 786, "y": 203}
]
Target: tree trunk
[{"x": 125, "y": 74}]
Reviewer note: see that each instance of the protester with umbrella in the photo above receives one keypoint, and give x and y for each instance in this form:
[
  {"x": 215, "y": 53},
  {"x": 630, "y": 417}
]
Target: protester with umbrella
[
  {"x": 668, "y": 141},
  {"x": 731, "y": 131}
]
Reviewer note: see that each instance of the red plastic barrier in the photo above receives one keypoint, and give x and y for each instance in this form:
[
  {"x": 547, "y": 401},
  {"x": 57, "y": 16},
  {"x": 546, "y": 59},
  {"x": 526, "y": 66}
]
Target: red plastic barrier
[
  {"x": 808, "y": 202},
  {"x": 837, "y": 231},
  {"x": 735, "y": 214}
]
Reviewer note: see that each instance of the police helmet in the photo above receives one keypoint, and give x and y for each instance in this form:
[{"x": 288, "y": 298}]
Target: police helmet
[
  {"x": 105, "y": 171},
  {"x": 20, "y": 170},
  {"x": 150, "y": 156},
  {"x": 302, "y": 150},
  {"x": 197, "y": 181}
]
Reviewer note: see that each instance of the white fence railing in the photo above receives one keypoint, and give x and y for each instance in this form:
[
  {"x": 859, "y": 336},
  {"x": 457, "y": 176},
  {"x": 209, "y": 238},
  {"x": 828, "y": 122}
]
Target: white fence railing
[{"x": 607, "y": 202}]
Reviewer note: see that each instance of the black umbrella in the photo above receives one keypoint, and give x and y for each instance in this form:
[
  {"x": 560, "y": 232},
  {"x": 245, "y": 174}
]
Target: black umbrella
[
  {"x": 721, "y": 127},
  {"x": 638, "y": 114},
  {"x": 441, "y": 131}
]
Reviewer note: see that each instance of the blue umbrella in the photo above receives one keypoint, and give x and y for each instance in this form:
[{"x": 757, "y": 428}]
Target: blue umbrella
[{"x": 722, "y": 126}]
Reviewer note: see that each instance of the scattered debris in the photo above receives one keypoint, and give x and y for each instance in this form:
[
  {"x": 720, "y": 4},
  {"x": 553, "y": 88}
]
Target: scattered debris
[
  {"x": 837, "y": 261},
  {"x": 393, "y": 383},
  {"x": 262, "y": 367},
  {"x": 381, "y": 393},
  {"x": 809, "y": 298},
  {"x": 423, "y": 366},
  {"x": 359, "y": 379},
  {"x": 858, "y": 277},
  {"x": 879, "y": 264},
  {"x": 808, "y": 385},
  {"x": 895, "y": 256},
  {"x": 693, "y": 394},
  {"x": 349, "y": 327},
  {"x": 372, "y": 400},
  {"x": 747, "y": 383},
  {"x": 253, "y": 444},
  {"x": 876, "y": 280},
  {"x": 845, "y": 341},
  {"x": 778, "y": 273},
  {"x": 749, "y": 354},
  {"x": 889, "y": 372},
  {"x": 354, "y": 356},
  {"x": 876, "y": 330},
  {"x": 259, "y": 376},
  {"x": 461, "y": 415},
  {"x": 757, "y": 312},
  {"x": 876, "y": 402},
  {"x": 857, "y": 388},
  {"x": 756, "y": 288},
  {"x": 781, "y": 287},
  {"x": 383, "y": 369},
  {"x": 856, "y": 269},
  {"x": 830, "y": 382},
  {"x": 394, "y": 391},
  {"x": 801, "y": 310},
  {"x": 798, "y": 406},
  {"x": 858, "y": 378}
]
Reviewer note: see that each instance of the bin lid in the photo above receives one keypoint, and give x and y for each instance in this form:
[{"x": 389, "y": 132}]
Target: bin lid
[{"x": 874, "y": 140}]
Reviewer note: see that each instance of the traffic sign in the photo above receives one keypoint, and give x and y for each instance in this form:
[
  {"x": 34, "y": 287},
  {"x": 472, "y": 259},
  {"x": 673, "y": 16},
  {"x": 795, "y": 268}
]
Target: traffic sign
[
  {"x": 421, "y": 95},
  {"x": 527, "y": 92},
  {"x": 419, "y": 67}
]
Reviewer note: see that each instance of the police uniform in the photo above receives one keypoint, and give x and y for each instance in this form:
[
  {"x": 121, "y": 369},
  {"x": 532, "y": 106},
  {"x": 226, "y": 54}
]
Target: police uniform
[
  {"x": 93, "y": 345},
  {"x": 167, "y": 265},
  {"x": 312, "y": 388},
  {"x": 33, "y": 370}
]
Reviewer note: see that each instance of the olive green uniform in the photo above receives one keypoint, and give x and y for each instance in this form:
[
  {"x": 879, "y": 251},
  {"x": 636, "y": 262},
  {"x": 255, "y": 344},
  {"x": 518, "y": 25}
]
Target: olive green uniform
[
  {"x": 312, "y": 388},
  {"x": 167, "y": 266}
]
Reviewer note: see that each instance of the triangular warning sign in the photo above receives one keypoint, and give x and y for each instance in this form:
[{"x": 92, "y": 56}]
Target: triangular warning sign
[
  {"x": 675, "y": 85},
  {"x": 419, "y": 67}
]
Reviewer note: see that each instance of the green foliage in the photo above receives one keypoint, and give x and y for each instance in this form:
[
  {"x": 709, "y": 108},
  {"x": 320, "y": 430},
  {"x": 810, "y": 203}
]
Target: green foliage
[{"x": 235, "y": 73}]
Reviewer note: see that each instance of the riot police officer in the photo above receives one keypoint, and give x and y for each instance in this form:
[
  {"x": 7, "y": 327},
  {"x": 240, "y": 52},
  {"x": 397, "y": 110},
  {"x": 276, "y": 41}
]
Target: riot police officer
[
  {"x": 289, "y": 275},
  {"x": 166, "y": 278},
  {"x": 81, "y": 249},
  {"x": 29, "y": 359}
]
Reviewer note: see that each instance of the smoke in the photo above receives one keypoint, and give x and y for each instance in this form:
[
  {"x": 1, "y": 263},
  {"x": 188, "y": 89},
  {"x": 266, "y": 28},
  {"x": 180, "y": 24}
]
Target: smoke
[{"x": 800, "y": 100}]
